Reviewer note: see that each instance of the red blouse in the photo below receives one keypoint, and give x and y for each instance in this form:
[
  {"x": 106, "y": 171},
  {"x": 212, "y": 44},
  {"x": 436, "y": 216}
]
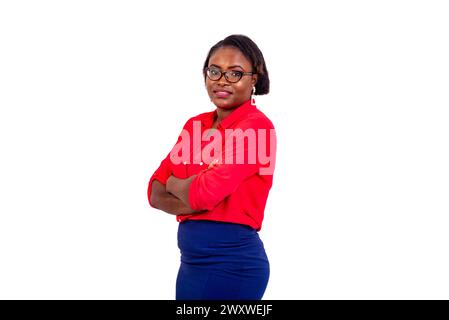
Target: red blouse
[{"x": 235, "y": 190}]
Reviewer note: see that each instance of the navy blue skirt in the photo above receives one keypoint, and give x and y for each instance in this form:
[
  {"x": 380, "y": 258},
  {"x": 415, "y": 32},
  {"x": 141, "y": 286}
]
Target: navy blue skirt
[{"x": 220, "y": 260}]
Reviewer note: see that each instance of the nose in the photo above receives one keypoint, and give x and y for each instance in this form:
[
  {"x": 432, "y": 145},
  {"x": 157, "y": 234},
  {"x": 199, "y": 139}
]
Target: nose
[{"x": 223, "y": 82}]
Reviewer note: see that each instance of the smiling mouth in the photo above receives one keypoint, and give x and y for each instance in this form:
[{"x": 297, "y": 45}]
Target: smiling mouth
[{"x": 222, "y": 94}]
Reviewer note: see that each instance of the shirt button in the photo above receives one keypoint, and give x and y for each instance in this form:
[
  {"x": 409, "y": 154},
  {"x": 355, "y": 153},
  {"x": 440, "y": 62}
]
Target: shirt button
[
  {"x": 201, "y": 163},
  {"x": 185, "y": 162}
]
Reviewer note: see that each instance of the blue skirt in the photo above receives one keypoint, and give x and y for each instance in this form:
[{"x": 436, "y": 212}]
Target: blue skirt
[{"x": 220, "y": 260}]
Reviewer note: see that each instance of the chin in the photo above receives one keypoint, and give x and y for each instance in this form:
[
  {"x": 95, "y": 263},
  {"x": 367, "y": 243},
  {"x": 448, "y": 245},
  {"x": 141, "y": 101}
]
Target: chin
[{"x": 224, "y": 104}]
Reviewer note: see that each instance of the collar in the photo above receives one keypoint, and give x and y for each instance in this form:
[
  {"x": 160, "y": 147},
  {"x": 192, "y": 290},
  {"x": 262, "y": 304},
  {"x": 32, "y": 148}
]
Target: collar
[{"x": 238, "y": 113}]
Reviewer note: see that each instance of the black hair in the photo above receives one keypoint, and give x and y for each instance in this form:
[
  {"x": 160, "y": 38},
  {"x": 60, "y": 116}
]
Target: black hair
[{"x": 252, "y": 52}]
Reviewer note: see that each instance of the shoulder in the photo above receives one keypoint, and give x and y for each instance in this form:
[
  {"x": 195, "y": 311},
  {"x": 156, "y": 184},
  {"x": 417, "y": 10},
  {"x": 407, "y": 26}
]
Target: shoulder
[
  {"x": 199, "y": 117},
  {"x": 202, "y": 116},
  {"x": 256, "y": 119}
]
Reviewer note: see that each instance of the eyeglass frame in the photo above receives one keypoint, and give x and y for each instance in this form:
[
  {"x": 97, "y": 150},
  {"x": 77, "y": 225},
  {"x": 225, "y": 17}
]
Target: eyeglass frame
[{"x": 225, "y": 72}]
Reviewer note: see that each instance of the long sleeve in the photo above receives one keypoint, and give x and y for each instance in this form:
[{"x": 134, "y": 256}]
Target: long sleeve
[
  {"x": 165, "y": 168},
  {"x": 212, "y": 186},
  {"x": 161, "y": 174}
]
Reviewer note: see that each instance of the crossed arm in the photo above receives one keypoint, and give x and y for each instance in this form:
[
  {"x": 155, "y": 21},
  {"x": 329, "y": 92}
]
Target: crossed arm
[
  {"x": 172, "y": 197},
  {"x": 208, "y": 188}
]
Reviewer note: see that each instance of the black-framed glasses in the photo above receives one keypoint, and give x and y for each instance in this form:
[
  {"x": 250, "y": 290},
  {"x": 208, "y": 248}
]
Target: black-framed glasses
[{"x": 232, "y": 76}]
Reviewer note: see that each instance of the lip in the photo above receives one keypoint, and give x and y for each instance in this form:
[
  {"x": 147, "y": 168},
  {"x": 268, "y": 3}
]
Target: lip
[{"x": 222, "y": 93}]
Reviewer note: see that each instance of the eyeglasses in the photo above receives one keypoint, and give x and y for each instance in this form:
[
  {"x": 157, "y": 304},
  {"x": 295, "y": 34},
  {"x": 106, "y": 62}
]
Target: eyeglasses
[{"x": 232, "y": 76}]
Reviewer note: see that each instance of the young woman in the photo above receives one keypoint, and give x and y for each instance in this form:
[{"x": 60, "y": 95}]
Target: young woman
[{"x": 217, "y": 177}]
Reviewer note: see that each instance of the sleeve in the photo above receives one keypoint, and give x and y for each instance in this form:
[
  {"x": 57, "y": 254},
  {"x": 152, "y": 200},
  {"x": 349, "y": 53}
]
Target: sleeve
[
  {"x": 211, "y": 186},
  {"x": 161, "y": 174},
  {"x": 164, "y": 170}
]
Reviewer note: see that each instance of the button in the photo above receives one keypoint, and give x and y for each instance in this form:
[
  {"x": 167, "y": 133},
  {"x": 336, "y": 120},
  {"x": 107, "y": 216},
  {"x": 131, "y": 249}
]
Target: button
[
  {"x": 201, "y": 163},
  {"x": 185, "y": 162}
]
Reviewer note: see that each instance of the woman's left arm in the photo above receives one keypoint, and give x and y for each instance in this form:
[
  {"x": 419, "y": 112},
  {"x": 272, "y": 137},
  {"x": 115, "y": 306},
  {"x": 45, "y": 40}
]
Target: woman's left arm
[{"x": 206, "y": 189}]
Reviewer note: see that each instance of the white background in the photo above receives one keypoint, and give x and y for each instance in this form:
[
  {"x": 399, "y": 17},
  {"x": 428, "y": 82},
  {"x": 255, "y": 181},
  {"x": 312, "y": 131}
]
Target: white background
[{"x": 94, "y": 93}]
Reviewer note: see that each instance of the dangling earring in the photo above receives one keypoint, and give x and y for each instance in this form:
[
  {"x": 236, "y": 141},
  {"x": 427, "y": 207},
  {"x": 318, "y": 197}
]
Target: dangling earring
[{"x": 253, "y": 100}]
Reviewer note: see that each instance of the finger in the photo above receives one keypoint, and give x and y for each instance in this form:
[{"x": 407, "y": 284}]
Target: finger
[{"x": 213, "y": 163}]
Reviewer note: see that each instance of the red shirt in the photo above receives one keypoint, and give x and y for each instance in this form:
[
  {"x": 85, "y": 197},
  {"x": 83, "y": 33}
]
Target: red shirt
[{"x": 235, "y": 190}]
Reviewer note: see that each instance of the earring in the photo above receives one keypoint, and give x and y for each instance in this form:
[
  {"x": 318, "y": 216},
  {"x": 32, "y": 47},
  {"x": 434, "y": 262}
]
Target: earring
[{"x": 253, "y": 100}]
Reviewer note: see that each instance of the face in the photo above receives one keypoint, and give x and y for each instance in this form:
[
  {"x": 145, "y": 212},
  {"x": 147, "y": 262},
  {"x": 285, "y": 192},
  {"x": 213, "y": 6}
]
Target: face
[{"x": 230, "y": 59}]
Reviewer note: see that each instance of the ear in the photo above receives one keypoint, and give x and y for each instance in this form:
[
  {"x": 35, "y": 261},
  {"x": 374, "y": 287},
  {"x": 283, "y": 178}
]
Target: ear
[{"x": 254, "y": 79}]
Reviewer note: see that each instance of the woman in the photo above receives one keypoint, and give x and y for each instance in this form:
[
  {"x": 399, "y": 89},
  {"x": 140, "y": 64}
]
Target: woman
[{"x": 217, "y": 177}]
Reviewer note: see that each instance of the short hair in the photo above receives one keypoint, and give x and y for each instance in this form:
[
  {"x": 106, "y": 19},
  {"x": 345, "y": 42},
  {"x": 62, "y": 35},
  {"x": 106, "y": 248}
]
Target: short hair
[{"x": 252, "y": 52}]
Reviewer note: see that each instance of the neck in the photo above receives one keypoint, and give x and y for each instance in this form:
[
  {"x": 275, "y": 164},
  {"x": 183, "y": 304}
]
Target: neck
[{"x": 223, "y": 114}]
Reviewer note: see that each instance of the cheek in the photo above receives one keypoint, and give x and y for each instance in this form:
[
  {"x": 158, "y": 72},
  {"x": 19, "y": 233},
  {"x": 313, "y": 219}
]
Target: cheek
[
  {"x": 208, "y": 88},
  {"x": 208, "y": 85},
  {"x": 243, "y": 88}
]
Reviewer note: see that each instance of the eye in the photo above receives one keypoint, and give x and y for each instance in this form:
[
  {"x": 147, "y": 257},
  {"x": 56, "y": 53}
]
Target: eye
[
  {"x": 214, "y": 71},
  {"x": 235, "y": 74}
]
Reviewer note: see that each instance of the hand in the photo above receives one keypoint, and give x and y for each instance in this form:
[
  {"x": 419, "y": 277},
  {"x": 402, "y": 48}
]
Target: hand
[{"x": 214, "y": 163}]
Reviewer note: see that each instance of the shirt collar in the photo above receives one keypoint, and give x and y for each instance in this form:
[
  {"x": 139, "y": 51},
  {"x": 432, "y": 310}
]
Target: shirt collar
[{"x": 237, "y": 114}]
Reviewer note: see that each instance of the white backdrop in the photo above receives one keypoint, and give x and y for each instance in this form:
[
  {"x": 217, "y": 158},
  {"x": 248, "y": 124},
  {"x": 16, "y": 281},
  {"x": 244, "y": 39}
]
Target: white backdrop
[{"x": 94, "y": 93}]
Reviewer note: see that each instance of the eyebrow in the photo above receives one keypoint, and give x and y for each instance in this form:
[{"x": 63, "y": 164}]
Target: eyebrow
[{"x": 234, "y": 66}]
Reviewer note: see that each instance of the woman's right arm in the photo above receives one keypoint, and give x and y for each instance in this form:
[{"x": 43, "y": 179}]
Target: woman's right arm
[
  {"x": 165, "y": 201},
  {"x": 158, "y": 196}
]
